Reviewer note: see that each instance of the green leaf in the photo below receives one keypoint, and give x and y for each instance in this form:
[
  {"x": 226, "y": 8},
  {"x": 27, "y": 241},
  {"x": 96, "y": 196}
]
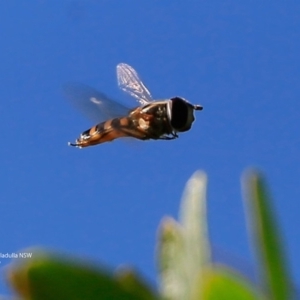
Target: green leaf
[
  {"x": 184, "y": 248},
  {"x": 267, "y": 243},
  {"x": 192, "y": 217},
  {"x": 49, "y": 277},
  {"x": 222, "y": 283},
  {"x": 170, "y": 260},
  {"x": 133, "y": 283}
]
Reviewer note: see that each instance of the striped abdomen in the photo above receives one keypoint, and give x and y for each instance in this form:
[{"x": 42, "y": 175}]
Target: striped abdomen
[{"x": 108, "y": 131}]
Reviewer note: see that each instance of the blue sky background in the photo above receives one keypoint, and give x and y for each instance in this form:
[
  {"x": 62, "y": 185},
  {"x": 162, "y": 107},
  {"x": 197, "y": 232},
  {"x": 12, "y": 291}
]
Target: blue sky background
[{"x": 239, "y": 59}]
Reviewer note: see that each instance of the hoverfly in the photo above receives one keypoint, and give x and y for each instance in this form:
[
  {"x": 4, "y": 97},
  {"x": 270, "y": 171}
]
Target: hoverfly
[{"x": 157, "y": 120}]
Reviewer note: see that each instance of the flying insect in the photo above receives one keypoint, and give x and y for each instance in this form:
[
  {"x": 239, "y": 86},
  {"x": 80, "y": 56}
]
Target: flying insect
[{"x": 152, "y": 119}]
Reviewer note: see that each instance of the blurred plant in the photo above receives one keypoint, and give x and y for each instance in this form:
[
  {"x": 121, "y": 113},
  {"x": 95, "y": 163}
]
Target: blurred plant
[{"x": 185, "y": 266}]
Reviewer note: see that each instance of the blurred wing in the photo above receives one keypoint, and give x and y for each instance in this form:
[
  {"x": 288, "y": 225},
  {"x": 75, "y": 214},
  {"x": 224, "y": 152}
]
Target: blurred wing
[
  {"x": 95, "y": 105},
  {"x": 129, "y": 81}
]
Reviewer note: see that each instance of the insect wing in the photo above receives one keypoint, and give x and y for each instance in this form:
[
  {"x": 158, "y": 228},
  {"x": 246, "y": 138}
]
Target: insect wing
[
  {"x": 129, "y": 82},
  {"x": 95, "y": 105}
]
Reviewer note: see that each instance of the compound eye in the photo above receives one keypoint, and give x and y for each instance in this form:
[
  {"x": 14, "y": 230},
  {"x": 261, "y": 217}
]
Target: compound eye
[{"x": 182, "y": 114}]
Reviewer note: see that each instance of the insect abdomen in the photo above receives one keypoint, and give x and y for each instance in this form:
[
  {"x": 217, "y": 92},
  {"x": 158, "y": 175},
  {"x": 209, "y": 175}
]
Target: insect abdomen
[{"x": 108, "y": 131}]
